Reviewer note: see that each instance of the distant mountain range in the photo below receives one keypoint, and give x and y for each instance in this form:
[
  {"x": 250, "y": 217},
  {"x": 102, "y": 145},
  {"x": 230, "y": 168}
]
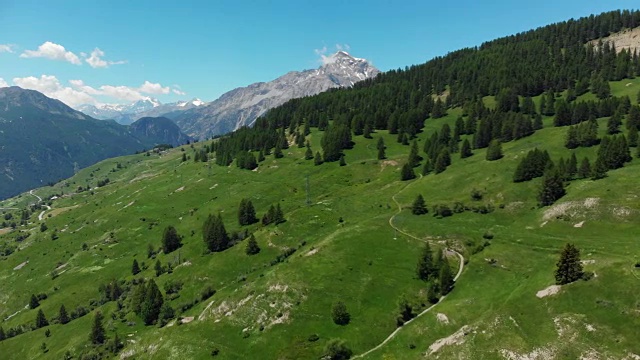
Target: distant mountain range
[
  {"x": 242, "y": 106},
  {"x": 43, "y": 140},
  {"x": 128, "y": 113}
]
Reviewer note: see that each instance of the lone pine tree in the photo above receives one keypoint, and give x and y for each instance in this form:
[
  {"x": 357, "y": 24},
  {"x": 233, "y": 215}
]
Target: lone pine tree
[
  {"x": 381, "y": 149},
  {"x": 41, "y": 320},
  {"x": 33, "y": 303},
  {"x": 170, "y": 240},
  {"x": 419, "y": 207},
  {"x": 426, "y": 268},
  {"x": 150, "y": 307},
  {"x": 552, "y": 187},
  {"x": 214, "y": 234},
  {"x": 569, "y": 267},
  {"x": 63, "y": 317},
  {"x": 97, "y": 335},
  {"x": 135, "y": 268},
  {"x": 252, "y": 246},
  {"x": 407, "y": 172},
  {"x": 445, "y": 278}
]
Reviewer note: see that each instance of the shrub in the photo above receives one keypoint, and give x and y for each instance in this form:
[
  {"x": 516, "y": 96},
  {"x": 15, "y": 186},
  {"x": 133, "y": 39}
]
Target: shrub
[{"x": 340, "y": 314}]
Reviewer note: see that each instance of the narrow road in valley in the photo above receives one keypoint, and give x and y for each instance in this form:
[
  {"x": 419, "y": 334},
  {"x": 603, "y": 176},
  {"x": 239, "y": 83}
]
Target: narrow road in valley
[
  {"x": 447, "y": 252},
  {"x": 41, "y": 215}
]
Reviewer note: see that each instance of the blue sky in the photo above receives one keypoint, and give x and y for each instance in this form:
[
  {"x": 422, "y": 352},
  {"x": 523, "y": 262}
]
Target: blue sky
[{"x": 118, "y": 51}]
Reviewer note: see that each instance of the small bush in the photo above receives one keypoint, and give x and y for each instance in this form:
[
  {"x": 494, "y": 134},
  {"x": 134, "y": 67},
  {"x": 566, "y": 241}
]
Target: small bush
[
  {"x": 215, "y": 351},
  {"x": 476, "y": 195},
  {"x": 487, "y": 235},
  {"x": 587, "y": 275},
  {"x": 313, "y": 338},
  {"x": 207, "y": 293}
]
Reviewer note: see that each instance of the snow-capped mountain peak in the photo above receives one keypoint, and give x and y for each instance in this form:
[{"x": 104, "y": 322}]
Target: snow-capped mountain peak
[
  {"x": 194, "y": 102},
  {"x": 242, "y": 106},
  {"x": 145, "y": 107}
]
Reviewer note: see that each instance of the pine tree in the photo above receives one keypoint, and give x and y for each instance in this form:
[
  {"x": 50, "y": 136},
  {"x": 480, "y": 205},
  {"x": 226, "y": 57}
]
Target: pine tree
[
  {"x": 572, "y": 141},
  {"x": 442, "y": 161},
  {"x": 269, "y": 216},
  {"x": 407, "y": 172},
  {"x": 3, "y": 336},
  {"x": 563, "y": 114},
  {"x": 261, "y": 156},
  {"x": 569, "y": 267},
  {"x": 33, "y": 303},
  {"x": 465, "y": 151},
  {"x": 150, "y": 308},
  {"x": 158, "y": 268},
  {"x": 246, "y": 213},
  {"x": 97, "y": 335},
  {"x": 367, "y": 131},
  {"x": 318, "y": 159},
  {"x": 135, "y": 268},
  {"x": 600, "y": 168},
  {"x": 277, "y": 152},
  {"x": 632, "y": 136},
  {"x": 381, "y": 149},
  {"x": 585, "y": 169},
  {"x": 138, "y": 297},
  {"x": 426, "y": 268},
  {"x": 427, "y": 167},
  {"x": 184, "y": 157},
  {"x": 308, "y": 154},
  {"x": 537, "y": 122},
  {"x": 432, "y": 294},
  {"x": 214, "y": 234},
  {"x": 633, "y": 117},
  {"x": 419, "y": 207},
  {"x": 552, "y": 187},
  {"x": 63, "y": 317},
  {"x": 252, "y": 246},
  {"x": 494, "y": 151},
  {"x": 572, "y": 167},
  {"x": 279, "y": 215},
  {"x": 339, "y": 314},
  {"x": 342, "y": 162},
  {"x": 41, "y": 320},
  {"x": 613, "y": 124},
  {"x": 414, "y": 158},
  {"x": 170, "y": 240},
  {"x": 445, "y": 277}
]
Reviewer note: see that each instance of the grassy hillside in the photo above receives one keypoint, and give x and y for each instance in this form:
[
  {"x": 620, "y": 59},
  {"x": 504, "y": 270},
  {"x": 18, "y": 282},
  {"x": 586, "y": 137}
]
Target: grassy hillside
[{"x": 346, "y": 251}]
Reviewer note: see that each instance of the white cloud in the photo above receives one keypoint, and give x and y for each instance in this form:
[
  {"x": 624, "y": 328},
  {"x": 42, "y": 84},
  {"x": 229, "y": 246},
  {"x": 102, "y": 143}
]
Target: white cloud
[
  {"x": 330, "y": 59},
  {"x": 3, "y": 83},
  {"x": 321, "y": 51},
  {"x": 121, "y": 92},
  {"x": 6, "y": 48},
  {"x": 178, "y": 92},
  {"x": 79, "y": 93},
  {"x": 50, "y": 86},
  {"x": 52, "y": 51},
  {"x": 151, "y": 88},
  {"x": 95, "y": 60}
]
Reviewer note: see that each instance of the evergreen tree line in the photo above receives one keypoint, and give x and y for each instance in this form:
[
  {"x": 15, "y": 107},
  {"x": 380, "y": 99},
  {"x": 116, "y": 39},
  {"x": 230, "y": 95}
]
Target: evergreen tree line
[{"x": 555, "y": 60}]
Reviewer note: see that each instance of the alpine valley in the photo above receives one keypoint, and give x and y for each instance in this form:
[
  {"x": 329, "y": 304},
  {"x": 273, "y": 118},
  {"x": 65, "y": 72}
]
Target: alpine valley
[{"x": 481, "y": 205}]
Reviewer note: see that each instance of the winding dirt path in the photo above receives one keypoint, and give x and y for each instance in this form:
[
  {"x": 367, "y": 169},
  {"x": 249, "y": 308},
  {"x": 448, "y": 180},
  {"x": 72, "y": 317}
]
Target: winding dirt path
[
  {"x": 41, "y": 215},
  {"x": 447, "y": 252}
]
